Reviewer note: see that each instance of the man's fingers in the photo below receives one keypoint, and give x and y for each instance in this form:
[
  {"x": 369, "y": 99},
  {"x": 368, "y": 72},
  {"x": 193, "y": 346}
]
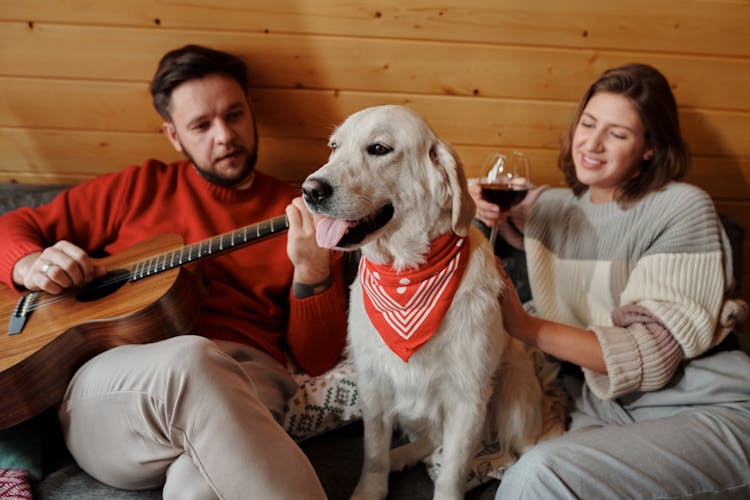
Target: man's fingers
[
  {"x": 75, "y": 262},
  {"x": 59, "y": 267},
  {"x": 293, "y": 216}
]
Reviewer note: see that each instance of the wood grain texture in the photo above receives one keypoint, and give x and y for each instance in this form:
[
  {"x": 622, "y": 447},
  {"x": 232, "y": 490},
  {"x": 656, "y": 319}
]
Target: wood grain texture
[
  {"x": 293, "y": 113},
  {"x": 319, "y": 61},
  {"x": 692, "y": 26}
]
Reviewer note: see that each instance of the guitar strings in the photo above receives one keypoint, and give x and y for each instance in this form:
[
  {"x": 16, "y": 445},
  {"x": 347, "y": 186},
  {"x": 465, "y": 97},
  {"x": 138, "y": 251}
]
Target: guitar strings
[
  {"x": 152, "y": 263},
  {"x": 48, "y": 299}
]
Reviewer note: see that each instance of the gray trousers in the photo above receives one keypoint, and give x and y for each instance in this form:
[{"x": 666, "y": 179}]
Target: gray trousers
[
  {"x": 688, "y": 440},
  {"x": 196, "y": 416}
]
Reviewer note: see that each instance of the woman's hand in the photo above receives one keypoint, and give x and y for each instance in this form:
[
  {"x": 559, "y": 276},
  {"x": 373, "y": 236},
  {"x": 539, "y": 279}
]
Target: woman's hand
[
  {"x": 515, "y": 318},
  {"x": 489, "y": 213}
]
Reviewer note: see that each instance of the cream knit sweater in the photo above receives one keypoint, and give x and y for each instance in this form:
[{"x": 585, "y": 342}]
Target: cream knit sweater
[{"x": 649, "y": 280}]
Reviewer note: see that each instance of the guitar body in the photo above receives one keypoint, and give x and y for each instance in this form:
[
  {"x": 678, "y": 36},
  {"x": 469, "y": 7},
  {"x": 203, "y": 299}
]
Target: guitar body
[{"x": 37, "y": 364}]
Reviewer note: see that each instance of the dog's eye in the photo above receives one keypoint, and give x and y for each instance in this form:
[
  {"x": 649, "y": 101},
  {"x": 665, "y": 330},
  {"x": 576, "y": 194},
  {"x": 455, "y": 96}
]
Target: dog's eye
[
  {"x": 378, "y": 149},
  {"x": 333, "y": 145}
]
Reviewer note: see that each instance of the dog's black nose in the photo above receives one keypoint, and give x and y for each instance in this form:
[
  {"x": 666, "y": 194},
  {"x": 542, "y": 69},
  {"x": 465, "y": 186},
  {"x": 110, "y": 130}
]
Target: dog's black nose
[{"x": 316, "y": 190}]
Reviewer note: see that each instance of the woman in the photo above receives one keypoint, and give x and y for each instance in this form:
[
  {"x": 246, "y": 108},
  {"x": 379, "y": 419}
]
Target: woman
[{"x": 629, "y": 272}]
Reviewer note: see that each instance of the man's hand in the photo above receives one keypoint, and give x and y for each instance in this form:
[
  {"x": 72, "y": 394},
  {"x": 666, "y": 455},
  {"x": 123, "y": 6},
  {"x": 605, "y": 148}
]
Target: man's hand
[
  {"x": 56, "y": 268},
  {"x": 312, "y": 264}
]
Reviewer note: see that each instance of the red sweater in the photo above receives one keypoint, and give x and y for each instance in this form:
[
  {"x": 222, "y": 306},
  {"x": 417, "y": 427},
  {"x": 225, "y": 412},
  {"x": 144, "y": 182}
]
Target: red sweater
[{"x": 249, "y": 292}]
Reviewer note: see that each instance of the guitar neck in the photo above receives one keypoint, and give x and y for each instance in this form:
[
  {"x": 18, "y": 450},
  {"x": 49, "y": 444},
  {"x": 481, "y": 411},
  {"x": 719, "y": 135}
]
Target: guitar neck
[{"x": 207, "y": 248}]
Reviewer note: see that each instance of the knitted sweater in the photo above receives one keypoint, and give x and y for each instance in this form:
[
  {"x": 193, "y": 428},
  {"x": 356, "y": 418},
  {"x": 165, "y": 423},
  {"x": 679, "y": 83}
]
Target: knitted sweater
[
  {"x": 649, "y": 280},
  {"x": 249, "y": 297}
]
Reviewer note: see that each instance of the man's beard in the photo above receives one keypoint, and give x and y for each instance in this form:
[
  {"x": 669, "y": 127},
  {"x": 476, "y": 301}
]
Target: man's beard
[{"x": 222, "y": 181}]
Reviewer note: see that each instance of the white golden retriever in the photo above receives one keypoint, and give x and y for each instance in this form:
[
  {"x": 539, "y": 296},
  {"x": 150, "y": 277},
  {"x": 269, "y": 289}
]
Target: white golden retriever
[{"x": 394, "y": 189}]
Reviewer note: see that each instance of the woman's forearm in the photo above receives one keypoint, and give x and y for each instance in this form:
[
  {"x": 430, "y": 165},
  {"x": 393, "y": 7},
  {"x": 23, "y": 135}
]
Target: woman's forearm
[{"x": 567, "y": 343}]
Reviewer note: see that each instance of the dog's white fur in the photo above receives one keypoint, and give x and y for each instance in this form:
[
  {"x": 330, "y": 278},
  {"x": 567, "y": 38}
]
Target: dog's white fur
[{"x": 442, "y": 395}]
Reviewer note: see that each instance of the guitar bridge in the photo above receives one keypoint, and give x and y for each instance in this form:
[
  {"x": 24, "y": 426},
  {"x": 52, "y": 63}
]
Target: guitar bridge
[{"x": 21, "y": 312}]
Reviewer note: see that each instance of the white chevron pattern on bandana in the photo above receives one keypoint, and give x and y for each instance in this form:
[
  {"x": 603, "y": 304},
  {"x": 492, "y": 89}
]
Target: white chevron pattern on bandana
[
  {"x": 407, "y": 308},
  {"x": 405, "y": 318}
]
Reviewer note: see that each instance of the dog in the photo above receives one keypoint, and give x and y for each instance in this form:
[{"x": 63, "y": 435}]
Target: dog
[{"x": 425, "y": 325}]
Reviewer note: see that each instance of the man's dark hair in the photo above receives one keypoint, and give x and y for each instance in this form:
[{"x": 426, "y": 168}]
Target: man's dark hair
[{"x": 189, "y": 63}]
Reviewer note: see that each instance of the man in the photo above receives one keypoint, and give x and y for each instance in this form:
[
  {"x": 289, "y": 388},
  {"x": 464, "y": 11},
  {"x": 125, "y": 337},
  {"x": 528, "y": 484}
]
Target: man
[{"x": 198, "y": 416}]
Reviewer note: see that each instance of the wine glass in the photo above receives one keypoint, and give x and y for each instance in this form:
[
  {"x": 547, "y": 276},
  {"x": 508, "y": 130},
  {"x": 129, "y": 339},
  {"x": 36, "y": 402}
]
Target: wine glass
[{"x": 505, "y": 182}]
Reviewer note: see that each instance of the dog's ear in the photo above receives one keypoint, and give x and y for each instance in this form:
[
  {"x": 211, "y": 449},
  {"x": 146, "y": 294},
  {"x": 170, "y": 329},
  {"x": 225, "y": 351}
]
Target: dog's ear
[{"x": 456, "y": 195}]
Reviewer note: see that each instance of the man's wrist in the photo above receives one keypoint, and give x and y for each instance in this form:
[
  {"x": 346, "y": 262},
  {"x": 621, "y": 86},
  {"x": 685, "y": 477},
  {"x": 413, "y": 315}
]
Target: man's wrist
[
  {"x": 304, "y": 290},
  {"x": 21, "y": 267}
]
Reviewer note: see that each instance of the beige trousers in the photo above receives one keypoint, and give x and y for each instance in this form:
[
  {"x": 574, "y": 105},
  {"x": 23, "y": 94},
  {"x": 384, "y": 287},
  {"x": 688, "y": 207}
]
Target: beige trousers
[{"x": 196, "y": 416}]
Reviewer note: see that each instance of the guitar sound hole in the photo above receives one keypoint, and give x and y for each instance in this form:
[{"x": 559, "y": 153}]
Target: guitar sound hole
[{"x": 104, "y": 285}]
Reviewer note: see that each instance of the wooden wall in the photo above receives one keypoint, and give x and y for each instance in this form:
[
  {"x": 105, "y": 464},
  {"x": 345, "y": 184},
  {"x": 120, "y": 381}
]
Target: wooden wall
[{"x": 487, "y": 74}]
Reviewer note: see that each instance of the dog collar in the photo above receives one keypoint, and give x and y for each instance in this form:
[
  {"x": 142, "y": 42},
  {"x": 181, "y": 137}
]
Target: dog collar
[{"x": 407, "y": 307}]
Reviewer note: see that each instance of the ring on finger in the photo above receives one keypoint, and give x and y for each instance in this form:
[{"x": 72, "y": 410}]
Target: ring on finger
[{"x": 46, "y": 267}]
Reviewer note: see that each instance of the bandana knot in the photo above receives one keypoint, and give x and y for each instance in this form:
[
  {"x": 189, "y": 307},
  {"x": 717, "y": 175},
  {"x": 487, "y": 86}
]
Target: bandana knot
[{"x": 407, "y": 307}]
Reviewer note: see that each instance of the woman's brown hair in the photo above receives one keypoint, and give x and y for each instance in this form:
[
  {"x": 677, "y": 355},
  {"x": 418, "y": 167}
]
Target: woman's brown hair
[{"x": 650, "y": 93}]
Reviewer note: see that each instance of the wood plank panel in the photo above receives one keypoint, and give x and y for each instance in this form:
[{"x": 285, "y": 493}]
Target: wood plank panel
[
  {"x": 114, "y": 106},
  {"x": 78, "y": 105},
  {"x": 721, "y": 177},
  {"x": 65, "y": 157},
  {"x": 721, "y": 133},
  {"x": 323, "y": 62},
  {"x": 697, "y": 26}
]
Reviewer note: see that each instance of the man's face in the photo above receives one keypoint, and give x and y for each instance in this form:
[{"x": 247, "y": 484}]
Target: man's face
[{"x": 213, "y": 126}]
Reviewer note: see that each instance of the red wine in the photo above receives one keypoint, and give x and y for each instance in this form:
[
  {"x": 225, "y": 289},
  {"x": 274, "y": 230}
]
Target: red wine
[{"x": 503, "y": 195}]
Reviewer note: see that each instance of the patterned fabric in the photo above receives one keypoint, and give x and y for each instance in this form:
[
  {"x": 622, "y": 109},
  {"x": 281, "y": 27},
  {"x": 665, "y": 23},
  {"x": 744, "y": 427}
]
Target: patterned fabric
[
  {"x": 322, "y": 403},
  {"x": 407, "y": 307},
  {"x": 14, "y": 484}
]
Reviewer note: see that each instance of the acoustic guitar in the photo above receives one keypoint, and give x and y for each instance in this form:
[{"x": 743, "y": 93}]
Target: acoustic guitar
[{"x": 146, "y": 296}]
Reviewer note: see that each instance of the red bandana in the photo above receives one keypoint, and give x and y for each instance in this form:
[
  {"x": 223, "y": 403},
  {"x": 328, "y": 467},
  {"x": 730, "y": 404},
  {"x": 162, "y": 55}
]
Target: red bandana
[{"x": 407, "y": 308}]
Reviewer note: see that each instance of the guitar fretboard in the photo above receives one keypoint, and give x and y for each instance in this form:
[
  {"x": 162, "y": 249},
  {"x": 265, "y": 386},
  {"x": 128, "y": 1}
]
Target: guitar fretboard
[{"x": 209, "y": 247}]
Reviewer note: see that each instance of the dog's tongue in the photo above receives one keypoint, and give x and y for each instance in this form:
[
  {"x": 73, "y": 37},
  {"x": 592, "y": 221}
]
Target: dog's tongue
[{"x": 330, "y": 231}]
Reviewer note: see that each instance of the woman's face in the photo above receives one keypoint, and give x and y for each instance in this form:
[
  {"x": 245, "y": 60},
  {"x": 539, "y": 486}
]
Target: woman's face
[{"x": 608, "y": 145}]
